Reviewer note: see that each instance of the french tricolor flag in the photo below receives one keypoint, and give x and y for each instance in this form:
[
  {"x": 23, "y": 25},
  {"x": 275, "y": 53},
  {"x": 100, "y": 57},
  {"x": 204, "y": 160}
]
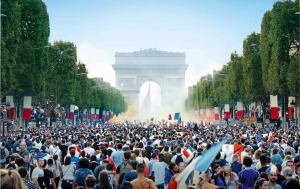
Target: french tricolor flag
[
  {"x": 27, "y": 107},
  {"x": 271, "y": 135},
  {"x": 200, "y": 164},
  {"x": 188, "y": 152}
]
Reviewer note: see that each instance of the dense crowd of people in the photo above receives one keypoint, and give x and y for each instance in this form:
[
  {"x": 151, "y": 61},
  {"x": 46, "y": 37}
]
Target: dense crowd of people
[{"x": 114, "y": 156}]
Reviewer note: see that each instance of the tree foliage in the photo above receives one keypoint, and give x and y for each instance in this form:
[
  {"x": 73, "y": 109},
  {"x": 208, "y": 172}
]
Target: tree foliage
[
  {"x": 269, "y": 64},
  {"x": 30, "y": 63}
]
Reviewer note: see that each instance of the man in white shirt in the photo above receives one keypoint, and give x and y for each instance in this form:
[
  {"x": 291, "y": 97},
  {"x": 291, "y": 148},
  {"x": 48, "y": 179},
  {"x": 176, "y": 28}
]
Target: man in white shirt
[
  {"x": 38, "y": 172},
  {"x": 89, "y": 150},
  {"x": 55, "y": 150}
]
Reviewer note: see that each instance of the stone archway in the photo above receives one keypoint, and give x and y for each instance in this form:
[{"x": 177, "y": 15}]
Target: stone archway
[{"x": 167, "y": 69}]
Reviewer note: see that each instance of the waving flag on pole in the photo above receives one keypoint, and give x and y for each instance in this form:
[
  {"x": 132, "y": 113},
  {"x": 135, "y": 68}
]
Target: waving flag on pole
[
  {"x": 177, "y": 116},
  {"x": 200, "y": 164}
]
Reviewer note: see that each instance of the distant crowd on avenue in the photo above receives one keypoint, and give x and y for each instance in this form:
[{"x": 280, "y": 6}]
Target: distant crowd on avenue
[{"x": 115, "y": 156}]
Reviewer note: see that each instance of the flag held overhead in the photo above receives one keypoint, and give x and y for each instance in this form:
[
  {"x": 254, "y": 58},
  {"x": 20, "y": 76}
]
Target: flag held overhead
[{"x": 177, "y": 116}]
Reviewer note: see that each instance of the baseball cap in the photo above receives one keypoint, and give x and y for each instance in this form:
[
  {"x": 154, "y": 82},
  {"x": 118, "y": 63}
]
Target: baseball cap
[{"x": 72, "y": 151}]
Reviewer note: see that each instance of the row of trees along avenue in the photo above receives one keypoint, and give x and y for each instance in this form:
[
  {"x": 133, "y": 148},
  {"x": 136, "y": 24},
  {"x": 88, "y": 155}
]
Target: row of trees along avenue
[
  {"x": 269, "y": 64},
  {"x": 50, "y": 71}
]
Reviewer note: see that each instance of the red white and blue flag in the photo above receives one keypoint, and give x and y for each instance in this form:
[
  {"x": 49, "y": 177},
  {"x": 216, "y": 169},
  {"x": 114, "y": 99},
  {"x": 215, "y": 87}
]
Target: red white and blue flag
[
  {"x": 200, "y": 164},
  {"x": 188, "y": 152}
]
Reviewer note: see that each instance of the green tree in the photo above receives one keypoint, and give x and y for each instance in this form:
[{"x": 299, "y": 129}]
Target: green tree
[
  {"x": 252, "y": 74},
  {"x": 10, "y": 40},
  {"x": 234, "y": 79},
  {"x": 32, "y": 54}
]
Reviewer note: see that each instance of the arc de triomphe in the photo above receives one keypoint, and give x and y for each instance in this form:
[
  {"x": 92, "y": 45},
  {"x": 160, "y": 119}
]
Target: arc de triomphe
[{"x": 167, "y": 69}]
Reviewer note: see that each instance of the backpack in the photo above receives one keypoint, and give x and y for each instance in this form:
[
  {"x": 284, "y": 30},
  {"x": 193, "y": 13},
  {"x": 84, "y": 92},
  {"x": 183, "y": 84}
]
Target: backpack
[
  {"x": 125, "y": 167},
  {"x": 2, "y": 153},
  {"x": 178, "y": 159},
  {"x": 83, "y": 173}
]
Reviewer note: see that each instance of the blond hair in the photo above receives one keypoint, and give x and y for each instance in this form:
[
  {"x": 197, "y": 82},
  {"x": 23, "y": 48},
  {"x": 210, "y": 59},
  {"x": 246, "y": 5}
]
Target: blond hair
[{"x": 11, "y": 179}]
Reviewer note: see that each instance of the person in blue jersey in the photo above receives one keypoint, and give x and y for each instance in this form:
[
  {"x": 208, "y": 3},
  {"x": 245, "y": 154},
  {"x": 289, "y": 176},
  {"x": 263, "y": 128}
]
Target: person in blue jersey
[{"x": 248, "y": 176}]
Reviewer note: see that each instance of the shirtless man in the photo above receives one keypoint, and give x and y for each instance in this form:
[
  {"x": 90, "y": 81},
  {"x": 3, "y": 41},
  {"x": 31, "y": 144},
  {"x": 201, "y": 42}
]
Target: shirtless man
[{"x": 141, "y": 182}]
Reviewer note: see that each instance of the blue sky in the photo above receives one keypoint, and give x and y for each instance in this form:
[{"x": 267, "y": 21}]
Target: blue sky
[{"x": 208, "y": 31}]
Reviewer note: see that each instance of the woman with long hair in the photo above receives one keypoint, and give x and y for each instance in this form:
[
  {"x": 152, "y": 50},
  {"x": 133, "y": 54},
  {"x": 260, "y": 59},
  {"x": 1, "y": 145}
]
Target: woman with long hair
[
  {"x": 67, "y": 174},
  {"x": 103, "y": 181},
  {"x": 57, "y": 167},
  {"x": 230, "y": 178},
  {"x": 261, "y": 183},
  {"x": 11, "y": 179}
]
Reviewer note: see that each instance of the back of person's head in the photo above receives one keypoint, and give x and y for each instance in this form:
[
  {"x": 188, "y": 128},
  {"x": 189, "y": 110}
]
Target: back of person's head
[
  {"x": 127, "y": 155},
  {"x": 10, "y": 179},
  {"x": 12, "y": 158},
  {"x": 140, "y": 168},
  {"x": 247, "y": 161},
  {"x": 288, "y": 171},
  {"x": 161, "y": 157},
  {"x": 20, "y": 162},
  {"x": 218, "y": 156},
  {"x": 104, "y": 152},
  {"x": 55, "y": 157},
  {"x": 133, "y": 164},
  {"x": 103, "y": 178},
  {"x": 50, "y": 162},
  {"x": 235, "y": 157},
  {"x": 93, "y": 158},
  {"x": 275, "y": 151},
  {"x": 109, "y": 166},
  {"x": 90, "y": 181},
  {"x": 263, "y": 159},
  {"x": 166, "y": 148},
  {"x": 292, "y": 183},
  {"x": 153, "y": 155},
  {"x": 22, "y": 172},
  {"x": 43, "y": 148},
  {"x": 84, "y": 163},
  {"x": 82, "y": 154},
  {"x": 140, "y": 145},
  {"x": 178, "y": 150},
  {"x": 136, "y": 152},
  {"x": 68, "y": 160},
  {"x": 119, "y": 146}
]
